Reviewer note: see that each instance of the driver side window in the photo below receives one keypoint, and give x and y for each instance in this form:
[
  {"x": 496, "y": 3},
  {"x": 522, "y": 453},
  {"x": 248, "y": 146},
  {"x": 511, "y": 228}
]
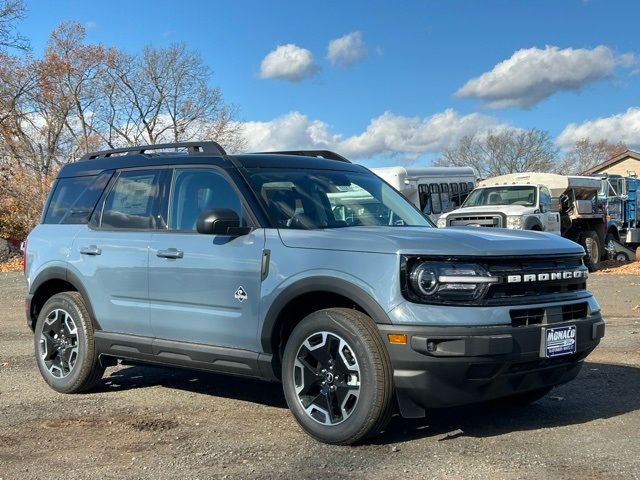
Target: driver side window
[
  {"x": 195, "y": 190},
  {"x": 545, "y": 199}
]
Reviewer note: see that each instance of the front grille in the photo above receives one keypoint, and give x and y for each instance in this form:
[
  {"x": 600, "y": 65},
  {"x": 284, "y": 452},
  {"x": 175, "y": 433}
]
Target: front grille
[
  {"x": 504, "y": 293},
  {"x": 479, "y": 220},
  {"x": 536, "y": 316},
  {"x": 527, "y": 316},
  {"x": 574, "y": 311}
]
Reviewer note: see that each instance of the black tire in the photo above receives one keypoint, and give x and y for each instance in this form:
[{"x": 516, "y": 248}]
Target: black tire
[
  {"x": 525, "y": 398},
  {"x": 591, "y": 244},
  {"x": 83, "y": 369},
  {"x": 373, "y": 406},
  {"x": 621, "y": 257}
]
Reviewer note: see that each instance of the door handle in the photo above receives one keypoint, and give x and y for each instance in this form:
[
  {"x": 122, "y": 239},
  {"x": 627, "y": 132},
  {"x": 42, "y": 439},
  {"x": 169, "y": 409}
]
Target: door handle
[
  {"x": 170, "y": 253},
  {"x": 90, "y": 250}
]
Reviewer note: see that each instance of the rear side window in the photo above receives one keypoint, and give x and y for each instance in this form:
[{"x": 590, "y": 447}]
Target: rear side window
[
  {"x": 132, "y": 201},
  {"x": 74, "y": 199}
]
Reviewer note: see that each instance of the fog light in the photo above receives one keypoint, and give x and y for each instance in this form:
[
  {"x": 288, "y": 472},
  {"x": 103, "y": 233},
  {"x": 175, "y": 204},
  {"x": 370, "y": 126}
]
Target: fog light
[
  {"x": 397, "y": 338},
  {"x": 432, "y": 346}
]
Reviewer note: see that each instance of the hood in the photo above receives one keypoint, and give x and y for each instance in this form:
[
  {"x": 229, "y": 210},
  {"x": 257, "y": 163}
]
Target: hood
[
  {"x": 506, "y": 209},
  {"x": 468, "y": 241}
]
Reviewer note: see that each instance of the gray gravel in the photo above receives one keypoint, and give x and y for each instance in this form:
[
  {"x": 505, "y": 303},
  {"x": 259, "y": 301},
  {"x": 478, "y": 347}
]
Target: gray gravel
[{"x": 147, "y": 422}]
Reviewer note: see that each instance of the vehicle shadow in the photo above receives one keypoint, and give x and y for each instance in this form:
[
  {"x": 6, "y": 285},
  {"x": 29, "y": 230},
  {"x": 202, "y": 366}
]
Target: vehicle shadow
[
  {"x": 216, "y": 385},
  {"x": 601, "y": 391}
]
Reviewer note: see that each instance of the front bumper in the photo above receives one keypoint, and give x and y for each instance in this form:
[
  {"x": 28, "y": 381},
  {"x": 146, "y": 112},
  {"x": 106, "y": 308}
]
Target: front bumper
[{"x": 449, "y": 366}]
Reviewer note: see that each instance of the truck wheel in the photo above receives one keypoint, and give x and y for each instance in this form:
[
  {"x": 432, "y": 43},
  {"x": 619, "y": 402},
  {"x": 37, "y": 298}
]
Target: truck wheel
[
  {"x": 64, "y": 344},
  {"x": 621, "y": 257},
  {"x": 337, "y": 376},
  {"x": 591, "y": 244}
]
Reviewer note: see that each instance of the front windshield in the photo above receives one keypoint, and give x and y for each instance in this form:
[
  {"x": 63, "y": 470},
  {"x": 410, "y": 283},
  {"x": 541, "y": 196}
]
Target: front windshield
[
  {"x": 504, "y": 195},
  {"x": 312, "y": 199}
]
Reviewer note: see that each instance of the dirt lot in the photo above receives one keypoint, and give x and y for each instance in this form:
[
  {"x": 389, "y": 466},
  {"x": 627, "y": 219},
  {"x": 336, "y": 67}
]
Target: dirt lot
[{"x": 145, "y": 422}]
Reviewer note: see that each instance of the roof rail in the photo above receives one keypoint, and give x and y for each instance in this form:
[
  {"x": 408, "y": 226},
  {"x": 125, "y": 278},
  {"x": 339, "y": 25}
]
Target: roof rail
[
  {"x": 328, "y": 154},
  {"x": 209, "y": 147}
]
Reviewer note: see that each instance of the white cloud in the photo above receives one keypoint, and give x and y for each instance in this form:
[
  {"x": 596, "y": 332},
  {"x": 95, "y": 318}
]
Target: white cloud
[
  {"x": 622, "y": 127},
  {"x": 288, "y": 62},
  {"x": 90, "y": 24},
  {"x": 346, "y": 50},
  {"x": 387, "y": 134},
  {"x": 533, "y": 74}
]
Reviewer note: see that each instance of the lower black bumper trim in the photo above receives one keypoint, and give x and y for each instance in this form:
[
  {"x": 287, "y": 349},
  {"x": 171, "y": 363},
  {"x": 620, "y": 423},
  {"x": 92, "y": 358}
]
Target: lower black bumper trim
[{"x": 450, "y": 366}]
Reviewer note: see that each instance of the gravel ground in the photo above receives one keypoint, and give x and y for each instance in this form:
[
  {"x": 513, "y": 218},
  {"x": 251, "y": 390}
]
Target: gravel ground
[{"x": 147, "y": 422}]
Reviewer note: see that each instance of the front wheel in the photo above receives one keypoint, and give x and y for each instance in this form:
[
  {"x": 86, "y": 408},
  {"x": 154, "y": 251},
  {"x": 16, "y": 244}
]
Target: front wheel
[
  {"x": 64, "y": 344},
  {"x": 337, "y": 376}
]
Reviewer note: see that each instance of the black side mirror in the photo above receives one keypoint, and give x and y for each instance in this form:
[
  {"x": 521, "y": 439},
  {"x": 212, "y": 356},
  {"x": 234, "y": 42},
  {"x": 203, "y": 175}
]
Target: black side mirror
[{"x": 220, "y": 221}]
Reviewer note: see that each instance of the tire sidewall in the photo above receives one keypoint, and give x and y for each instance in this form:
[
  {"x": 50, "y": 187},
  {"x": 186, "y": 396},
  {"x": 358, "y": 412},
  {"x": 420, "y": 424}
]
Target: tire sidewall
[
  {"x": 83, "y": 363},
  {"x": 332, "y": 322}
]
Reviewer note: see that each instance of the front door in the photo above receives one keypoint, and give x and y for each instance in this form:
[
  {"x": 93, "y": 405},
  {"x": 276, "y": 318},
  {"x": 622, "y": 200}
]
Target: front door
[
  {"x": 550, "y": 217},
  {"x": 204, "y": 289}
]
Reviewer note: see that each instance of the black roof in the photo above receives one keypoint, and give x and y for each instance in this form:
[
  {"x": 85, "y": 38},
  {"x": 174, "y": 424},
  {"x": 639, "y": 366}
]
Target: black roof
[{"x": 93, "y": 164}]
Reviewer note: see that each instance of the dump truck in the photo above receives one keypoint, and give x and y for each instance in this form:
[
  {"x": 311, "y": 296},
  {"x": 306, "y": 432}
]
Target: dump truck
[{"x": 619, "y": 198}]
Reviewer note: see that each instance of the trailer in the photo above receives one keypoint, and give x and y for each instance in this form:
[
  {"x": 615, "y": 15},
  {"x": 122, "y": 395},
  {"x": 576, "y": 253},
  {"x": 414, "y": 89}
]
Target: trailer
[{"x": 434, "y": 190}]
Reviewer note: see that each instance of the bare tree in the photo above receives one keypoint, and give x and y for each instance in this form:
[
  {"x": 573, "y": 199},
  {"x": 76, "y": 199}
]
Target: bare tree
[
  {"x": 80, "y": 97},
  {"x": 163, "y": 95},
  {"x": 586, "y": 154},
  {"x": 502, "y": 152},
  {"x": 11, "y": 11}
]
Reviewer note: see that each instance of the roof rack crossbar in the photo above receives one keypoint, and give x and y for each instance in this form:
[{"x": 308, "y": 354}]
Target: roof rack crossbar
[
  {"x": 209, "y": 147},
  {"x": 328, "y": 154}
]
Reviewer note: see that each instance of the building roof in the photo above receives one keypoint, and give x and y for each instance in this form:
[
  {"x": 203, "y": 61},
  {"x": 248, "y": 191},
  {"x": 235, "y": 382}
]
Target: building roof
[{"x": 612, "y": 161}]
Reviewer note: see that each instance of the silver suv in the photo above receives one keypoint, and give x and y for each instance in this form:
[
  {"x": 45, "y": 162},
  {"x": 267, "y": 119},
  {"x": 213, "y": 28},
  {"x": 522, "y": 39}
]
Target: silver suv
[{"x": 303, "y": 268}]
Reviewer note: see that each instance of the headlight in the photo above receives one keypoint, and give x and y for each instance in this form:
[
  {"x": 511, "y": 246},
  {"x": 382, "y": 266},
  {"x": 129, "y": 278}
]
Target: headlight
[
  {"x": 441, "y": 282},
  {"x": 514, "y": 222},
  {"x": 441, "y": 222}
]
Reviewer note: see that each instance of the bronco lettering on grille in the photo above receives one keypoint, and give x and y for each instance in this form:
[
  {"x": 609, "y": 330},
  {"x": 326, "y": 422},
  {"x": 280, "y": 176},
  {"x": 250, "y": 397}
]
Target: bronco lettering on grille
[{"x": 544, "y": 277}]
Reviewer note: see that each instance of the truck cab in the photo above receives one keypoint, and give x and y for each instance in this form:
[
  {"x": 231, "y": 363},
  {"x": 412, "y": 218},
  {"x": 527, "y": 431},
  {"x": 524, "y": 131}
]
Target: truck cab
[
  {"x": 545, "y": 202},
  {"x": 520, "y": 206}
]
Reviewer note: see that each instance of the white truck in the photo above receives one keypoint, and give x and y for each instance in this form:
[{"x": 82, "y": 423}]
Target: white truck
[
  {"x": 560, "y": 204},
  {"x": 434, "y": 190}
]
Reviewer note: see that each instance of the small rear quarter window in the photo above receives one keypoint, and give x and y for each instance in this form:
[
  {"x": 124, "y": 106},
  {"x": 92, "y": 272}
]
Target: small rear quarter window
[{"x": 74, "y": 199}]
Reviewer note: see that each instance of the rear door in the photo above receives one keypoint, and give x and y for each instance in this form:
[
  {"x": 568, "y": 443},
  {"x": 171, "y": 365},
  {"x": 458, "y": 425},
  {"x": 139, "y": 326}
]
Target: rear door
[
  {"x": 204, "y": 289},
  {"x": 111, "y": 253}
]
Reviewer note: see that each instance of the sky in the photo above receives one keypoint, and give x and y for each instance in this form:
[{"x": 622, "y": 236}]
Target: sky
[{"x": 392, "y": 82}]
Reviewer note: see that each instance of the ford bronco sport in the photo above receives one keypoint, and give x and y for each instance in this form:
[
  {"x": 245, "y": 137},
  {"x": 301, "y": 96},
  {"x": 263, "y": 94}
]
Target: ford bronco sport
[{"x": 305, "y": 270}]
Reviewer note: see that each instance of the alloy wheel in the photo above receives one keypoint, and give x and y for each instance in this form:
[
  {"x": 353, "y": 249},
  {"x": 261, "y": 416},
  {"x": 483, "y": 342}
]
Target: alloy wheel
[
  {"x": 59, "y": 343},
  {"x": 327, "y": 378}
]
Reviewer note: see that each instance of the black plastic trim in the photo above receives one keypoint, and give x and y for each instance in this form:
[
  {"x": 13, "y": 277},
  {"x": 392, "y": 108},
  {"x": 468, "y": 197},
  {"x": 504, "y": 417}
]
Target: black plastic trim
[
  {"x": 184, "y": 354},
  {"x": 58, "y": 273},
  {"x": 319, "y": 284},
  {"x": 448, "y": 366}
]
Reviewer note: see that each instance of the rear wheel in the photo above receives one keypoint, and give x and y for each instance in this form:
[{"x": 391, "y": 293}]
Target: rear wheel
[
  {"x": 337, "y": 376},
  {"x": 591, "y": 244},
  {"x": 64, "y": 344}
]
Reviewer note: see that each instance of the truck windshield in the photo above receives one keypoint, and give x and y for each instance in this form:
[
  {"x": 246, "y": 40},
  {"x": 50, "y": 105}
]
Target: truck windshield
[
  {"x": 314, "y": 199},
  {"x": 504, "y": 195}
]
